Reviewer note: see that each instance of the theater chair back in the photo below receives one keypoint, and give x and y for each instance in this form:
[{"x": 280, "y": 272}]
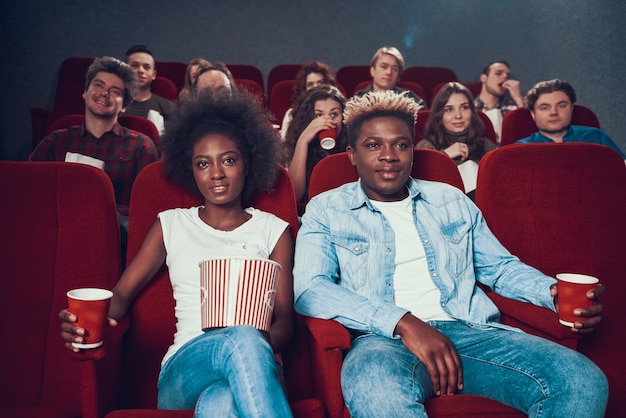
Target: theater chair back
[
  {"x": 562, "y": 208},
  {"x": 59, "y": 232}
]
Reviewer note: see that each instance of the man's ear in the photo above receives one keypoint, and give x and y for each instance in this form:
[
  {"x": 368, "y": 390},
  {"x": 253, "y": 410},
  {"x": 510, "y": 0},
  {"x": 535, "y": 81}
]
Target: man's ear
[
  {"x": 155, "y": 75},
  {"x": 532, "y": 114},
  {"x": 372, "y": 70},
  {"x": 483, "y": 78},
  {"x": 350, "y": 151}
]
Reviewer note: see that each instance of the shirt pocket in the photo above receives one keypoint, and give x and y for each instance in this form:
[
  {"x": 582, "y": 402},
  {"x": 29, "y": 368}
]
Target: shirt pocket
[
  {"x": 457, "y": 239},
  {"x": 352, "y": 255}
]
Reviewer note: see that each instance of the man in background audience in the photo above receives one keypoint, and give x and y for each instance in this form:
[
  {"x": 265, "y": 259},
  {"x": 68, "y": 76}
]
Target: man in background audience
[
  {"x": 386, "y": 68},
  {"x": 551, "y": 104},
  {"x": 146, "y": 103},
  {"x": 101, "y": 141},
  {"x": 499, "y": 93}
]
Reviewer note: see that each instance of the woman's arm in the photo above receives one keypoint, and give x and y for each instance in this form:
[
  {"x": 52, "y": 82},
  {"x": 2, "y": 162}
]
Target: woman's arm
[
  {"x": 282, "y": 325},
  {"x": 297, "y": 167},
  {"x": 138, "y": 273}
]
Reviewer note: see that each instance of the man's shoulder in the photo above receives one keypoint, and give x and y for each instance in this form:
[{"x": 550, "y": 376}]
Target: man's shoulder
[
  {"x": 365, "y": 90},
  {"x": 582, "y": 130},
  {"x": 162, "y": 100},
  {"x": 60, "y": 135},
  {"x": 339, "y": 197},
  {"x": 139, "y": 138},
  {"x": 436, "y": 192},
  {"x": 535, "y": 137}
]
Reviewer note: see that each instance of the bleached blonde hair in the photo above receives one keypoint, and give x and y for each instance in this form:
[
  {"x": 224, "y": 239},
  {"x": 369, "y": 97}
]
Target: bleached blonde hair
[
  {"x": 392, "y": 51},
  {"x": 378, "y": 104}
]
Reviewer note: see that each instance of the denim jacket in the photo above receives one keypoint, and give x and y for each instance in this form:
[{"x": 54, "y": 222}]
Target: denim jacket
[{"x": 345, "y": 253}]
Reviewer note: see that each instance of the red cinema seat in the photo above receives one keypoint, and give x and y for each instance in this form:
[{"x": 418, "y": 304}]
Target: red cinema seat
[
  {"x": 351, "y": 75},
  {"x": 560, "y": 208},
  {"x": 428, "y": 77},
  {"x": 282, "y": 72},
  {"x": 59, "y": 232},
  {"x": 152, "y": 320}
]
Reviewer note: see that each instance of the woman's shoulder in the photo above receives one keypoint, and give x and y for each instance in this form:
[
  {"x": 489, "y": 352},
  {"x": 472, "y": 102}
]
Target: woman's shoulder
[
  {"x": 260, "y": 216},
  {"x": 178, "y": 213}
]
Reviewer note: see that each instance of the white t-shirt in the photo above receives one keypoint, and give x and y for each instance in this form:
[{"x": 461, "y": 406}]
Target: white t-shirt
[
  {"x": 413, "y": 288},
  {"x": 286, "y": 122},
  {"x": 188, "y": 241}
]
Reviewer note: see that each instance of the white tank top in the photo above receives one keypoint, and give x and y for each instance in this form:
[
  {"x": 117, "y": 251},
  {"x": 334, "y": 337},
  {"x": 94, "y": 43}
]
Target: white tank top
[{"x": 188, "y": 241}]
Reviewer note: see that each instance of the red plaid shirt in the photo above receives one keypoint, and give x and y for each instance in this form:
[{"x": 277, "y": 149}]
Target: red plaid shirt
[{"x": 124, "y": 152}]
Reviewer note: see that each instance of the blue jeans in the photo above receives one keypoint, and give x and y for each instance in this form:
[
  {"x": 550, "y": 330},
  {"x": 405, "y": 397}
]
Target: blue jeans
[
  {"x": 224, "y": 373},
  {"x": 381, "y": 378}
]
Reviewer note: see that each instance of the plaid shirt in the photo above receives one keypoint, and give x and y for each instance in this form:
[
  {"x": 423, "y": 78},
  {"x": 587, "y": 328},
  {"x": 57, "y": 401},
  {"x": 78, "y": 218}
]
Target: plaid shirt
[
  {"x": 505, "y": 105},
  {"x": 124, "y": 152}
]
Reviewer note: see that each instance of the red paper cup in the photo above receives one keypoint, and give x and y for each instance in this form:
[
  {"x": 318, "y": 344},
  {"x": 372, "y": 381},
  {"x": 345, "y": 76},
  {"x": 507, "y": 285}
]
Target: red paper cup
[
  {"x": 327, "y": 138},
  {"x": 91, "y": 307},
  {"x": 238, "y": 291},
  {"x": 571, "y": 294}
]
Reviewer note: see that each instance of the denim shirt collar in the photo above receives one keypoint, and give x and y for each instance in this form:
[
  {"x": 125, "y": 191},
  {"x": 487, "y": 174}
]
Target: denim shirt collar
[{"x": 360, "y": 199}]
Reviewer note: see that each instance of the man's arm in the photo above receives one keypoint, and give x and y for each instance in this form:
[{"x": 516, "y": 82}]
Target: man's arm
[
  {"x": 436, "y": 351},
  {"x": 316, "y": 281},
  {"x": 497, "y": 268},
  {"x": 515, "y": 91},
  {"x": 44, "y": 151}
]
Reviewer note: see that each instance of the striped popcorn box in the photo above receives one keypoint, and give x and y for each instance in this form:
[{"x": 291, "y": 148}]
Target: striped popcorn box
[{"x": 238, "y": 291}]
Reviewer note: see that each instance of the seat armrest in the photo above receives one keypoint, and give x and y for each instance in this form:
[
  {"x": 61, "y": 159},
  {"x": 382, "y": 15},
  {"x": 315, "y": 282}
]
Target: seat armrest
[
  {"x": 328, "y": 341},
  {"x": 99, "y": 372},
  {"x": 534, "y": 320},
  {"x": 328, "y": 334}
]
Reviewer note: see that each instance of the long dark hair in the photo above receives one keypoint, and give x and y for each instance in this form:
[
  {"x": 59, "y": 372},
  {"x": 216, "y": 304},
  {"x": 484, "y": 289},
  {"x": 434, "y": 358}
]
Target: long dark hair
[
  {"x": 314, "y": 67},
  {"x": 303, "y": 114},
  {"x": 435, "y": 131}
]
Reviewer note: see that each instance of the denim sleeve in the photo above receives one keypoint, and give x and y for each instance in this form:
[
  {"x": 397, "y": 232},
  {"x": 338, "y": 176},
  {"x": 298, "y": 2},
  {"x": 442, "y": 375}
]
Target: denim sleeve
[
  {"x": 320, "y": 293},
  {"x": 497, "y": 268}
]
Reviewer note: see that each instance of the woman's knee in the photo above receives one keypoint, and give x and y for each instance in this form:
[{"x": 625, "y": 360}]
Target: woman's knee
[{"x": 249, "y": 344}]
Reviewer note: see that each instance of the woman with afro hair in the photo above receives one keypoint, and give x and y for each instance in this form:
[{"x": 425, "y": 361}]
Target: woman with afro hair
[{"x": 220, "y": 145}]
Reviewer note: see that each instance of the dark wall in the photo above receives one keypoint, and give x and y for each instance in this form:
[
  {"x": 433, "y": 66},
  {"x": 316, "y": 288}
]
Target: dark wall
[{"x": 579, "y": 41}]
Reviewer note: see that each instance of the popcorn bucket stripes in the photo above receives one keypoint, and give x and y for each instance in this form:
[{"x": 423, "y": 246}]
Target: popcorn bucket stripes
[{"x": 237, "y": 291}]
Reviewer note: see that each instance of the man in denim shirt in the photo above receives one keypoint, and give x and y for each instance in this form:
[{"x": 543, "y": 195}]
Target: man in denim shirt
[{"x": 397, "y": 261}]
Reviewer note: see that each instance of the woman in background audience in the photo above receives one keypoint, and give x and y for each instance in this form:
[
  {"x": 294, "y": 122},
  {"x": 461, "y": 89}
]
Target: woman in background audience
[
  {"x": 310, "y": 75},
  {"x": 320, "y": 108},
  {"x": 193, "y": 68},
  {"x": 456, "y": 129}
]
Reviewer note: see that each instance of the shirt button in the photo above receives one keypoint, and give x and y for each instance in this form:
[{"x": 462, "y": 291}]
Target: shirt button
[
  {"x": 443, "y": 304},
  {"x": 435, "y": 274},
  {"x": 426, "y": 241},
  {"x": 357, "y": 249},
  {"x": 388, "y": 249}
]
